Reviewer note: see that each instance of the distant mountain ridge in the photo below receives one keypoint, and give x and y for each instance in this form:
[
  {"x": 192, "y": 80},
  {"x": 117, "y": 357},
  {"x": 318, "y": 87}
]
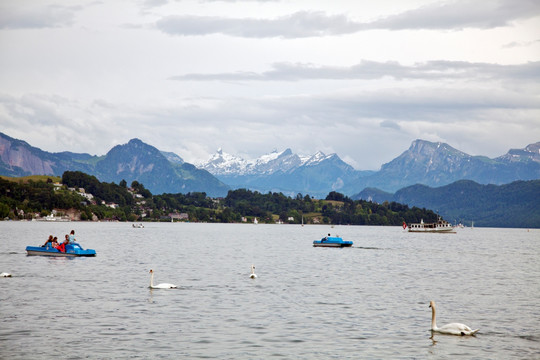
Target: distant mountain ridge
[
  {"x": 438, "y": 164},
  {"x": 134, "y": 161},
  {"x": 531, "y": 153}
]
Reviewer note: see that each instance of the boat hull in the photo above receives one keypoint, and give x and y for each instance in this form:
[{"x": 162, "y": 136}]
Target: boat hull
[
  {"x": 445, "y": 231},
  {"x": 332, "y": 245},
  {"x": 71, "y": 251}
]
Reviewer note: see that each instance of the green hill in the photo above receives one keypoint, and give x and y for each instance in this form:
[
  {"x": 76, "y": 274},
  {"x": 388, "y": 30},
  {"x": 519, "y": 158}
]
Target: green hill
[{"x": 511, "y": 205}]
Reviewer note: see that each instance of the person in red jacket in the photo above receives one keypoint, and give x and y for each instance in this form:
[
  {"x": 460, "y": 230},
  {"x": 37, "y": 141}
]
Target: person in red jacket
[{"x": 62, "y": 246}]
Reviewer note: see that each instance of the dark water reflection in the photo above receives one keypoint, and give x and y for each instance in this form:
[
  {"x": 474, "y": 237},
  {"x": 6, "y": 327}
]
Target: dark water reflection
[{"x": 369, "y": 301}]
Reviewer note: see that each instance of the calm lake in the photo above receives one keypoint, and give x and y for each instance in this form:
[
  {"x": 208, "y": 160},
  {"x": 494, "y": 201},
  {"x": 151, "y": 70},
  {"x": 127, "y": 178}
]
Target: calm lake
[{"x": 369, "y": 301}]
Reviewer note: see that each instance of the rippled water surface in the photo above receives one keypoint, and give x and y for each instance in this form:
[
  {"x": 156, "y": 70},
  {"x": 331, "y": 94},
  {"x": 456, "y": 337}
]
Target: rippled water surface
[{"x": 368, "y": 301}]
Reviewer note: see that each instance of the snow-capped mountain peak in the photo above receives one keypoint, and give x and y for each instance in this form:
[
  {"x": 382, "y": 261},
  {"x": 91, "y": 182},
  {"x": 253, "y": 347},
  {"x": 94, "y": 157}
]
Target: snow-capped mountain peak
[
  {"x": 272, "y": 156},
  {"x": 315, "y": 159},
  {"x": 222, "y": 163}
]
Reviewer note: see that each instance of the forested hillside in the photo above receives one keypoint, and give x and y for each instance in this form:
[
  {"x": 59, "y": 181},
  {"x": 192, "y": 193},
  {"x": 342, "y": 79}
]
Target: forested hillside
[
  {"x": 25, "y": 198},
  {"x": 511, "y": 205}
]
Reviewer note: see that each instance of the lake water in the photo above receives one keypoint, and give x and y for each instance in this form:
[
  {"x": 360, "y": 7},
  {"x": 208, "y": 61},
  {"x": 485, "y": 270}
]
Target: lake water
[{"x": 368, "y": 301}]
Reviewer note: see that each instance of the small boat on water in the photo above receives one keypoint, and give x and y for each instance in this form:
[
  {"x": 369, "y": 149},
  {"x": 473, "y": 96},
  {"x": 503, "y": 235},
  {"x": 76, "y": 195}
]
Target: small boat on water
[
  {"x": 441, "y": 226},
  {"x": 332, "y": 241},
  {"x": 72, "y": 250}
]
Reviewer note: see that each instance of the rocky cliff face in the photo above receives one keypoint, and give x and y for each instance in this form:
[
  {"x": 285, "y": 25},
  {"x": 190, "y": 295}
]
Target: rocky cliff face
[
  {"x": 21, "y": 159},
  {"x": 18, "y": 158}
]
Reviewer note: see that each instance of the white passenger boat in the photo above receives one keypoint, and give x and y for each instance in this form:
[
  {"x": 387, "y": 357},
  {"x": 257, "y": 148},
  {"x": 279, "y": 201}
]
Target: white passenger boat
[{"x": 441, "y": 226}]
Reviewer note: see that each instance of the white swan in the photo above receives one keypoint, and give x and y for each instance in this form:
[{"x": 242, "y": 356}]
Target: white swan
[
  {"x": 159, "y": 286},
  {"x": 450, "y": 329},
  {"x": 5, "y": 274},
  {"x": 253, "y": 275}
]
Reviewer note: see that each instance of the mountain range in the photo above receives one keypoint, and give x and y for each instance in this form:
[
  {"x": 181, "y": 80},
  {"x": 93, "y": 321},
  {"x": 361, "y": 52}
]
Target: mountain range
[{"x": 428, "y": 163}]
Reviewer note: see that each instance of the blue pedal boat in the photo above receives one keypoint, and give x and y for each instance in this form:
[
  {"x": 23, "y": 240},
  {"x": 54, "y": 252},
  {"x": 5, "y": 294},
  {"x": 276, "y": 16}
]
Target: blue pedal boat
[
  {"x": 72, "y": 250},
  {"x": 332, "y": 241}
]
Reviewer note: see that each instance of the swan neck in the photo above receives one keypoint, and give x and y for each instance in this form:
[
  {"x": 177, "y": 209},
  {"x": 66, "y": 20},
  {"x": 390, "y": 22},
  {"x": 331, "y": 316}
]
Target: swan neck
[
  {"x": 152, "y": 279},
  {"x": 433, "y": 321}
]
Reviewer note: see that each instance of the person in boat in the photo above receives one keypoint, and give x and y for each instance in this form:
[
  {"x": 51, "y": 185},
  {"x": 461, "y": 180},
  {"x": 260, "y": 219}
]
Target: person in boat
[
  {"x": 62, "y": 246},
  {"x": 72, "y": 237},
  {"x": 54, "y": 242},
  {"x": 49, "y": 241},
  {"x": 325, "y": 238}
]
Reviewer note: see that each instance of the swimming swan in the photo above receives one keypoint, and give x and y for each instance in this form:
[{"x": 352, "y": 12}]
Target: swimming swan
[
  {"x": 450, "y": 329},
  {"x": 253, "y": 275},
  {"x": 5, "y": 274},
  {"x": 159, "y": 286}
]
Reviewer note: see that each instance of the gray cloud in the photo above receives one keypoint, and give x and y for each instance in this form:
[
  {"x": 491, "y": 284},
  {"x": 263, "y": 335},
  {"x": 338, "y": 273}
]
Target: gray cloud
[
  {"x": 390, "y": 124},
  {"x": 434, "y": 104},
  {"x": 157, "y": 3},
  {"x": 517, "y": 44},
  {"x": 461, "y": 14},
  {"x": 36, "y": 16},
  {"x": 369, "y": 70},
  {"x": 298, "y": 25},
  {"x": 154, "y": 3},
  {"x": 453, "y": 15}
]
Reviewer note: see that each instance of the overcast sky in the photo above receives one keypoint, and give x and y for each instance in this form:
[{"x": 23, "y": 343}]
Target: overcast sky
[{"x": 359, "y": 78}]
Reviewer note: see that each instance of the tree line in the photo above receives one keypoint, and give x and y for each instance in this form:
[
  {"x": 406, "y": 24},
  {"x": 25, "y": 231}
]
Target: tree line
[{"x": 22, "y": 199}]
